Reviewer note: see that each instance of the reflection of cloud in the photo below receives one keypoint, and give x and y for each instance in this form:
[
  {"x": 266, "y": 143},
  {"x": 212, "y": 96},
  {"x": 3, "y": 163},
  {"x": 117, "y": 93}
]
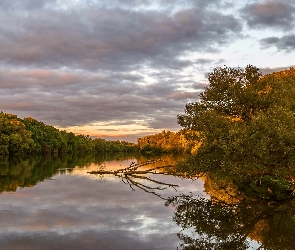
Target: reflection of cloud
[
  {"x": 90, "y": 239},
  {"x": 77, "y": 212}
]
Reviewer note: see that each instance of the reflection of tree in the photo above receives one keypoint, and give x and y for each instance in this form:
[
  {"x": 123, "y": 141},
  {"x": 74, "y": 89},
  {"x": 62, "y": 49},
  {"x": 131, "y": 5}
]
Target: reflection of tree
[
  {"x": 28, "y": 171},
  {"x": 212, "y": 226},
  {"x": 247, "y": 201},
  {"x": 231, "y": 218},
  {"x": 21, "y": 171},
  {"x": 229, "y": 222}
]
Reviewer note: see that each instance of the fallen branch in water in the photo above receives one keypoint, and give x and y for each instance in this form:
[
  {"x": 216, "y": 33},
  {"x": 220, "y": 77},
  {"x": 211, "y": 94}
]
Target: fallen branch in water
[
  {"x": 132, "y": 169},
  {"x": 132, "y": 176}
]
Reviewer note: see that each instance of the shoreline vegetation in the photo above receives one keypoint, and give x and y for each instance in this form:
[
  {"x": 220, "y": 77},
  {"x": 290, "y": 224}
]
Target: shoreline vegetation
[
  {"x": 237, "y": 103},
  {"x": 243, "y": 124},
  {"x": 29, "y": 136}
]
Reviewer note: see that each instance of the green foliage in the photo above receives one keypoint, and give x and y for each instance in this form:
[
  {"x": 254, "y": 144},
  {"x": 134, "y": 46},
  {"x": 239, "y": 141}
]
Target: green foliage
[
  {"x": 14, "y": 137},
  {"x": 245, "y": 124},
  {"x": 26, "y": 136}
]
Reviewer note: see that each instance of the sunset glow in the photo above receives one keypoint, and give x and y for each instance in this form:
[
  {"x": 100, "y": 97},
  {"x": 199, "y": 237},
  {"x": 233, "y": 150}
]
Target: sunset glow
[{"x": 120, "y": 70}]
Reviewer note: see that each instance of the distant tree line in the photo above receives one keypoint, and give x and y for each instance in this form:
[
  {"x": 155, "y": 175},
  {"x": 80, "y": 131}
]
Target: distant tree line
[
  {"x": 168, "y": 142},
  {"x": 29, "y": 136}
]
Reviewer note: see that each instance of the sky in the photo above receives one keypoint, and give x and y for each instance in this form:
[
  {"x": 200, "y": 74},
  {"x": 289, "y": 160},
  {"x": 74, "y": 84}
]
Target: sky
[{"x": 124, "y": 69}]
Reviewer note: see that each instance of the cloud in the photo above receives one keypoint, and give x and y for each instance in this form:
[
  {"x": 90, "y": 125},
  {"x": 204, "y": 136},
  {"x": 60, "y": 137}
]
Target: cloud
[
  {"x": 112, "y": 39},
  {"x": 277, "y": 69},
  {"x": 75, "y": 63},
  {"x": 272, "y": 14},
  {"x": 78, "y": 63},
  {"x": 184, "y": 95},
  {"x": 64, "y": 98},
  {"x": 284, "y": 43},
  {"x": 25, "y": 5}
]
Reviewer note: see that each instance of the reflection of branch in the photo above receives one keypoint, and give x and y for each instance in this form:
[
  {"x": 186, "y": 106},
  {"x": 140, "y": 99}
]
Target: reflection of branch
[
  {"x": 143, "y": 187},
  {"x": 131, "y": 176},
  {"x": 158, "y": 182}
]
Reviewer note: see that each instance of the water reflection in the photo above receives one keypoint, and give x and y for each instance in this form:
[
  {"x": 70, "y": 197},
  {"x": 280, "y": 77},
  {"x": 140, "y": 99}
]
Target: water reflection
[
  {"x": 27, "y": 171},
  {"x": 230, "y": 220},
  {"x": 76, "y": 211}
]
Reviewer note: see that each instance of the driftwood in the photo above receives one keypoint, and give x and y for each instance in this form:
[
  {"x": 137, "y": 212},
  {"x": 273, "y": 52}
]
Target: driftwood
[
  {"x": 132, "y": 176},
  {"x": 132, "y": 169}
]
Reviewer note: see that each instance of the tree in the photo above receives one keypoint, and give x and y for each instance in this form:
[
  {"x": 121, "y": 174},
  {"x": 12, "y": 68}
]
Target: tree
[
  {"x": 245, "y": 123},
  {"x": 14, "y": 137},
  {"x": 164, "y": 142}
]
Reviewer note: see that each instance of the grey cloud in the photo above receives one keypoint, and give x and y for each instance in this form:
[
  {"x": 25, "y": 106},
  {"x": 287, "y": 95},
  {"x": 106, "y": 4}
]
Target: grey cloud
[
  {"x": 109, "y": 38},
  {"x": 269, "y": 14},
  {"x": 271, "y": 70},
  {"x": 66, "y": 83},
  {"x": 160, "y": 89},
  {"x": 78, "y": 62},
  {"x": 164, "y": 62},
  {"x": 285, "y": 43},
  {"x": 184, "y": 95},
  {"x": 166, "y": 121},
  {"x": 25, "y": 5},
  {"x": 167, "y": 5},
  {"x": 200, "y": 86},
  {"x": 204, "y": 61},
  {"x": 64, "y": 99}
]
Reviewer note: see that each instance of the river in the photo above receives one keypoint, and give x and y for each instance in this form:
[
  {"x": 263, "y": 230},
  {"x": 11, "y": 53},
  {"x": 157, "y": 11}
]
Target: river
[{"x": 55, "y": 203}]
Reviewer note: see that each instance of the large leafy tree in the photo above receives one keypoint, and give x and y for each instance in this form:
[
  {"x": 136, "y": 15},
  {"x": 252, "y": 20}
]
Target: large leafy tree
[{"x": 245, "y": 123}]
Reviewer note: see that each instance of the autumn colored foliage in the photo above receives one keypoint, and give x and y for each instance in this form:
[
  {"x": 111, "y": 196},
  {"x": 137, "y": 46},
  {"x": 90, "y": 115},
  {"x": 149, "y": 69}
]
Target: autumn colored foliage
[{"x": 245, "y": 123}]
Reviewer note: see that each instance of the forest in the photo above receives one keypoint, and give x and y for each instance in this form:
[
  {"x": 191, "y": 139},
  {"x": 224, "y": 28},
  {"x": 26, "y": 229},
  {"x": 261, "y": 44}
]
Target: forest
[{"x": 29, "y": 136}]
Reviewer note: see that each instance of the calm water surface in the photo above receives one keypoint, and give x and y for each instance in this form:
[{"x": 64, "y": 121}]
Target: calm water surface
[{"x": 56, "y": 204}]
